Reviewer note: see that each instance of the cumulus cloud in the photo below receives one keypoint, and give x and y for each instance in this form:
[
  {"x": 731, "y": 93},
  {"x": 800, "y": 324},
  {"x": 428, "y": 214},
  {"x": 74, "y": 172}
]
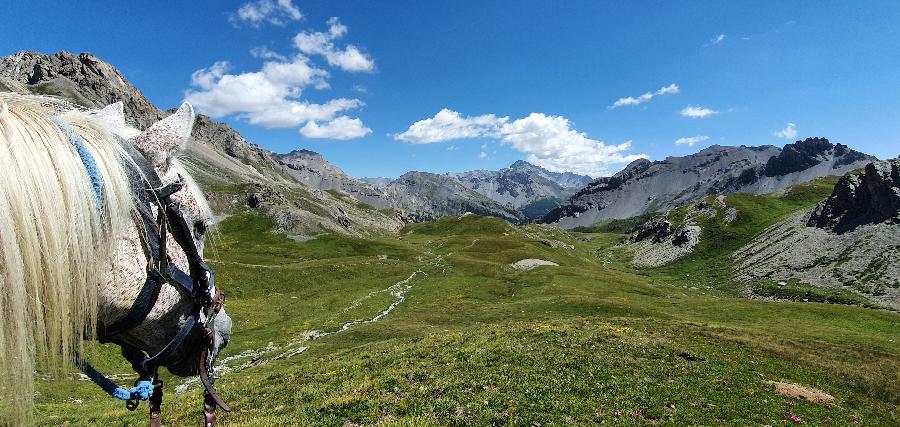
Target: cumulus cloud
[
  {"x": 789, "y": 132},
  {"x": 350, "y": 58},
  {"x": 690, "y": 141},
  {"x": 447, "y": 125},
  {"x": 697, "y": 112},
  {"x": 548, "y": 141},
  {"x": 269, "y": 97},
  {"x": 630, "y": 100},
  {"x": 273, "y": 96},
  {"x": 342, "y": 128},
  {"x": 259, "y": 12}
]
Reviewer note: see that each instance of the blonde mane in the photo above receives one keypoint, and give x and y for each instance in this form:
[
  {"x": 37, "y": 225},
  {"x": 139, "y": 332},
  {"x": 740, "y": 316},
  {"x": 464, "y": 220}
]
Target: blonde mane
[{"x": 56, "y": 243}]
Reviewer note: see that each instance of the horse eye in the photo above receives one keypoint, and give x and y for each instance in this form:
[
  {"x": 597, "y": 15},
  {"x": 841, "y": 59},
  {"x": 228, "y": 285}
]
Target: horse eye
[{"x": 199, "y": 228}]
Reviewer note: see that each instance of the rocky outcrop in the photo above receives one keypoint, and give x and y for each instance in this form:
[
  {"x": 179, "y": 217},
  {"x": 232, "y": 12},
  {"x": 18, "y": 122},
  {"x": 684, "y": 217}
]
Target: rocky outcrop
[
  {"x": 658, "y": 242},
  {"x": 645, "y": 186},
  {"x": 850, "y": 241},
  {"x": 870, "y": 197},
  {"x": 83, "y": 79}
]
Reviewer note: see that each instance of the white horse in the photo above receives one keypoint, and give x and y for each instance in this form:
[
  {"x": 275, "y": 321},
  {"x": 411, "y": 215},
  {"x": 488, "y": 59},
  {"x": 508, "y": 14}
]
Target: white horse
[{"x": 74, "y": 245}]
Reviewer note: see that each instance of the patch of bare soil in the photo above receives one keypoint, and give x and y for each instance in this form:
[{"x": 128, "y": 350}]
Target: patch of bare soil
[{"x": 801, "y": 392}]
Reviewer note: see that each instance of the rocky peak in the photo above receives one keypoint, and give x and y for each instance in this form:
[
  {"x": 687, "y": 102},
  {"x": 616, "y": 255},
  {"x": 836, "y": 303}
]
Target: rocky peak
[
  {"x": 83, "y": 79},
  {"x": 805, "y": 154},
  {"x": 301, "y": 154},
  {"x": 861, "y": 198},
  {"x": 521, "y": 164}
]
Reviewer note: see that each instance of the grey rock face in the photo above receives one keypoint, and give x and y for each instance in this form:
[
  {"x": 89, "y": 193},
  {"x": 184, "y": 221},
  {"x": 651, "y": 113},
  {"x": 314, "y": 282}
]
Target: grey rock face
[
  {"x": 659, "y": 241},
  {"x": 868, "y": 198},
  {"x": 83, "y": 79},
  {"x": 645, "y": 186}
]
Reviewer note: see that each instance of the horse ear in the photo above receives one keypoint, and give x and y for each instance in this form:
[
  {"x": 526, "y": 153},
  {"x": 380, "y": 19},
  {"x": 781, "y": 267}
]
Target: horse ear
[
  {"x": 162, "y": 140},
  {"x": 114, "y": 117}
]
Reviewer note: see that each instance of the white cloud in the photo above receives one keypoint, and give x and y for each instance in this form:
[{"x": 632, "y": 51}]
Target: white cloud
[
  {"x": 272, "y": 97},
  {"x": 259, "y": 12},
  {"x": 205, "y": 78},
  {"x": 483, "y": 155},
  {"x": 551, "y": 142},
  {"x": 269, "y": 97},
  {"x": 789, "y": 132},
  {"x": 350, "y": 58},
  {"x": 697, "y": 112},
  {"x": 690, "y": 141},
  {"x": 630, "y": 100},
  {"x": 548, "y": 141},
  {"x": 447, "y": 125},
  {"x": 341, "y": 127},
  {"x": 717, "y": 39}
]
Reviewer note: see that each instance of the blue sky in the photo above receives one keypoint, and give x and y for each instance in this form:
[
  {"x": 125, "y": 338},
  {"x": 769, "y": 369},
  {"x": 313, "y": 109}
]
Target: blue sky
[{"x": 518, "y": 80}]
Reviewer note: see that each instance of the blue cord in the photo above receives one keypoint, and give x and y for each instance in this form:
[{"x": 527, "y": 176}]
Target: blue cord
[{"x": 86, "y": 159}]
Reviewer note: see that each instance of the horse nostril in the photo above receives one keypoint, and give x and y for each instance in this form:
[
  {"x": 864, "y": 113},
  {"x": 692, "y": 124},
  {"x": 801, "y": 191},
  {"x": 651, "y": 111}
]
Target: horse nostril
[{"x": 199, "y": 228}]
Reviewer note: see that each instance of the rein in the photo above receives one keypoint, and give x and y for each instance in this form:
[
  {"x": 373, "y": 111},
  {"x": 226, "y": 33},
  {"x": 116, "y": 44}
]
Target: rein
[{"x": 198, "y": 283}]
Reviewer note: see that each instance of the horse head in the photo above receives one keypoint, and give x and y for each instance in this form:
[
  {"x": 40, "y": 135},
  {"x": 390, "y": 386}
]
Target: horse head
[{"x": 160, "y": 146}]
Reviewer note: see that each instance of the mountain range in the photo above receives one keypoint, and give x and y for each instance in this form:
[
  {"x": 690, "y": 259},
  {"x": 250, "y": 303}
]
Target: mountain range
[
  {"x": 306, "y": 194},
  {"x": 646, "y": 186}
]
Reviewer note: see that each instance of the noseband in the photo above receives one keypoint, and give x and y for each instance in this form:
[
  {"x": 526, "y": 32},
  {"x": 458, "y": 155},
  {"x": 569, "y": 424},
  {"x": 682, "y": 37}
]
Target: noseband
[{"x": 198, "y": 283}]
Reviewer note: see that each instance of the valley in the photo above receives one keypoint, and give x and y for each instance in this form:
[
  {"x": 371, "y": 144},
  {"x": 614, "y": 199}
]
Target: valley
[
  {"x": 475, "y": 341},
  {"x": 667, "y": 293}
]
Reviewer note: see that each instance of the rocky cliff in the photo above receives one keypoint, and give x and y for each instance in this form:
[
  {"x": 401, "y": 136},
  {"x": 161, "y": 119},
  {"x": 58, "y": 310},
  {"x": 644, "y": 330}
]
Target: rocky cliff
[
  {"x": 645, "y": 186},
  {"x": 83, "y": 79}
]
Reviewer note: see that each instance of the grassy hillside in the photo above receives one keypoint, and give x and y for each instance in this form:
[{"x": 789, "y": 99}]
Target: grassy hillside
[{"x": 472, "y": 341}]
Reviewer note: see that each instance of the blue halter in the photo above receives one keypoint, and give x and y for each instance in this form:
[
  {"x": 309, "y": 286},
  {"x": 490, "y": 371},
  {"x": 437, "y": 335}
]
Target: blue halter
[{"x": 86, "y": 159}]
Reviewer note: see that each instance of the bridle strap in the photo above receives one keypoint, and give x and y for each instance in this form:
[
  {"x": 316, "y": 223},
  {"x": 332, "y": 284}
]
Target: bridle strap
[
  {"x": 152, "y": 362},
  {"x": 141, "y": 307}
]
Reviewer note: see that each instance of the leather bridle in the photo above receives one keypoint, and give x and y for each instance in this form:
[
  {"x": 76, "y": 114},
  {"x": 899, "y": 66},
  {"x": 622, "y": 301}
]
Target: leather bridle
[{"x": 198, "y": 283}]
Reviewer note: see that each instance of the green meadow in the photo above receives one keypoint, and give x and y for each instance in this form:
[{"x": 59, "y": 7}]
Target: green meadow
[{"x": 432, "y": 326}]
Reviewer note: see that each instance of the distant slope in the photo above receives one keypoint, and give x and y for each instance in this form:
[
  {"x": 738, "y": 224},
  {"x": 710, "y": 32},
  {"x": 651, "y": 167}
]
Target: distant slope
[
  {"x": 424, "y": 196},
  {"x": 313, "y": 170},
  {"x": 645, "y": 186},
  {"x": 524, "y": 186}
]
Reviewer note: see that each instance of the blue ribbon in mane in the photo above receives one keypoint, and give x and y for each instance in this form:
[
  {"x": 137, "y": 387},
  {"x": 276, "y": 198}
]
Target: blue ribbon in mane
[{"x": 86, "y": 159}]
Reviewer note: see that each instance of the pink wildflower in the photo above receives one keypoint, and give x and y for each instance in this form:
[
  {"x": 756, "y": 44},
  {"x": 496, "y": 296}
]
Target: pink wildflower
[{"x": 618, "y": 413}]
